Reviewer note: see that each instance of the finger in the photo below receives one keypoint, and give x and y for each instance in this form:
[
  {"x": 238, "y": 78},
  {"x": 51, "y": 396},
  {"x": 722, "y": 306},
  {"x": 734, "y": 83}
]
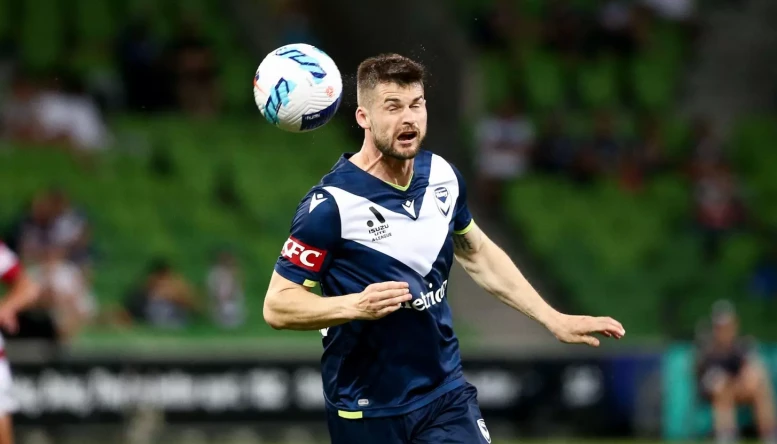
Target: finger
[
  {"x": 401, "y": 299},
  {"x": 389, "y": 285},
  {"x": 615, "y": 325},
  {"x": 590, "y": 340},
  {"x": 388, "y": 294},
  {"x": 608, "y": 325},
  {"x": 387, "y": 310}
]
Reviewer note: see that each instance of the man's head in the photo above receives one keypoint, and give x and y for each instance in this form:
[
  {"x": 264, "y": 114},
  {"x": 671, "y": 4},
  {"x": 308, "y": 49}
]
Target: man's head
[
  {"x": 724, "y": 323},
  {"x": 392, "y": 106}
]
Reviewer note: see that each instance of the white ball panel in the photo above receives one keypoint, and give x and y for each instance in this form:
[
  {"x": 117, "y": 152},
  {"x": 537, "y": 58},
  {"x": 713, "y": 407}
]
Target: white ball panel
[{"x": 306, "y": 97}]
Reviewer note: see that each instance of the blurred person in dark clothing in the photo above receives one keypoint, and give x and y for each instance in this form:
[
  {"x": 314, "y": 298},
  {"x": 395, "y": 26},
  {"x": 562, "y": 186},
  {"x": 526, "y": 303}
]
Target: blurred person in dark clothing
[
  {"x": 147, "y": 86},
  {"x": 718, "y": 207},
  {"x": 729, "y": 374},
  {"x": 163, "y": 299},
  {"x": 602, "y": 153},
  {"x": 645, "y": 158},
  {"x": 195, "y": 71},
  {"x": 20, "y": 119},
  {"x": 505, "y": 140},
  {"x": 567, "y": 31},
  {"x": 53, "y": 221},
  {"x": 763, "y": 279},
  {"x": 556, "y": 150},
  {"x": 706, "y": 147},
  {"x": 225, "y": 290}
]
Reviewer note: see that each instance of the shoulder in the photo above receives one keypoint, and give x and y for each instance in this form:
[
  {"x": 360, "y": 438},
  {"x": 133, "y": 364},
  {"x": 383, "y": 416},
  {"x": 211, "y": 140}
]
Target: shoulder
[
  {"x": 318, "y": 204},
  {"x": 443, "y": 170}
]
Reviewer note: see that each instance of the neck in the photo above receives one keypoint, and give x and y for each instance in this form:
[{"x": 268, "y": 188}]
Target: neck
[{"x": 387, "y": 169}]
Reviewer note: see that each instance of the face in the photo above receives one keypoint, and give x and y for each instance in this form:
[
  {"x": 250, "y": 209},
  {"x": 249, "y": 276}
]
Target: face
[
  {"x": 725, "y": 332},
  {"x": 396, "y": 118}
]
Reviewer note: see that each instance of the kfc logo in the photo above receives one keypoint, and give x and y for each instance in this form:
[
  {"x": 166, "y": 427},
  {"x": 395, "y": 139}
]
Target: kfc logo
[{"x": 303, "y": 255}]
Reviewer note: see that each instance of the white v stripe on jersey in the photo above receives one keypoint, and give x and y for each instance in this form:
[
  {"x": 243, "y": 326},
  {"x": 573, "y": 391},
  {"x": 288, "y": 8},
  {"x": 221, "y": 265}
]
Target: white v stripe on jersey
[
  {"x": 315, "y": 201},
  {"x": 414, "y": 242},
  {"x": 409, "y": 207}
]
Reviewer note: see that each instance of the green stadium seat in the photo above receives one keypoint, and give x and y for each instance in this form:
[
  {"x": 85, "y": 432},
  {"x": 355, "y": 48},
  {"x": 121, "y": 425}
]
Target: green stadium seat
[
  {"x": 95, "y": 20},
  {"x": 544, "y": 80},
  {"x": 597, "y": 83},
  {"x": 42, "y": 33},
  {"x": 498, "y": 81},
  {"x": 653, "y": 80}
]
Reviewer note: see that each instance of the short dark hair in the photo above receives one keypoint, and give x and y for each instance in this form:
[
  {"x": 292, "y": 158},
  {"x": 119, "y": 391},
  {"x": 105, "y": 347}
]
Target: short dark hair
[{"x": 388, "y": 68}]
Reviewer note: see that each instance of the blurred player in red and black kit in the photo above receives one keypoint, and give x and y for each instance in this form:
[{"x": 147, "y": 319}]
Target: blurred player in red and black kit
[
  {"x": 21, "y": 293},
  {"x": 730, "y": 374}
]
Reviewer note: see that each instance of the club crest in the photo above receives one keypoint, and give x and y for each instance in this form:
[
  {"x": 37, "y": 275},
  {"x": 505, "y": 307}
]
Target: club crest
[
  {"x": 484, "y": 429},
  {"x": 442, "y": 197}
]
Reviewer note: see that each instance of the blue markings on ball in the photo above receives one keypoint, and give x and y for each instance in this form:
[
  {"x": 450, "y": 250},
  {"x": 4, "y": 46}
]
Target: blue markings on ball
[
  {"x": 307, "y": 62},
  {"x": 279, "y": 97},
  {"x": 314, "y": 120}
]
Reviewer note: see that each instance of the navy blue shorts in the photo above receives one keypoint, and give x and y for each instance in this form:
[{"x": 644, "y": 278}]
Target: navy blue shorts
[{"x": 453, "y": 418}]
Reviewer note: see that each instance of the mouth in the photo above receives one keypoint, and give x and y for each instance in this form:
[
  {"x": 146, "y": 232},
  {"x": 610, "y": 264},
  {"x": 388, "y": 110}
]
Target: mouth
[{"x": 407, "y": 136}]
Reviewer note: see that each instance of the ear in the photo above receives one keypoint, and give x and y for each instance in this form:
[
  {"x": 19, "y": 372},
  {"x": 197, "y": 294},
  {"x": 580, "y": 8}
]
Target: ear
[{"x": 362, "y": 118}]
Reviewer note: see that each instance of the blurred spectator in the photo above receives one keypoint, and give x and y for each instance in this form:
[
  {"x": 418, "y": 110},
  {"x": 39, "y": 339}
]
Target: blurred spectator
[
  {"x": 680, "y": 11},
  {"x": 646, "y": 158},
  {"x": 225, "y": 291},
  {"x": 601, "y": 155},
  {"x": 556, "y": 150},
  {"x": 294, "y": 23},
  {"x": 20, "y": 120},
  {"x": 505, "y": 141},
  {"x": 623, "y": 27},
  {"x": 194, "y": 71},
  {"x": 64, "y": 292},
  {"x": 70, "y": 229},
  {"x": 499, "y": 25},
  {"x": 146, "y": 85},
  {"x": 707, "y": 147},
  {"x": 163, "y": 299},
  {"x": 718, "y": 206},
  {"x": 566, "y": 30},
  {"x": 56, "y": 112},
  {"x": 54, "y": 222},
  {"x": 763, "y": 280},
  {"x": 730, "y": 373}
]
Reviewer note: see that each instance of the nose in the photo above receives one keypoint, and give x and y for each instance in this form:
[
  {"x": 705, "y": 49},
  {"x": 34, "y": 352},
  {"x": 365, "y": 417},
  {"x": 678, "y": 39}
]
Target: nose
[{"x": 408, "y": 117}]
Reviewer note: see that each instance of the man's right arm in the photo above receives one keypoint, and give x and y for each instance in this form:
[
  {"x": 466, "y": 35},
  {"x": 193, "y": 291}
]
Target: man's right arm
[
  {"x": 291, "y": 306},
  {"x": 304, "y": 260}
]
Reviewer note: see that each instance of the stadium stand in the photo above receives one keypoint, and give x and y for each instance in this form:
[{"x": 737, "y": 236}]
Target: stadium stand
[{"x": 637, "y": 255}]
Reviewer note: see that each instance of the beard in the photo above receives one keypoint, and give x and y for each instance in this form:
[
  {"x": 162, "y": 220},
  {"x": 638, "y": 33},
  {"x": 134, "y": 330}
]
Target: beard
[{"x": 385, "y": 144}]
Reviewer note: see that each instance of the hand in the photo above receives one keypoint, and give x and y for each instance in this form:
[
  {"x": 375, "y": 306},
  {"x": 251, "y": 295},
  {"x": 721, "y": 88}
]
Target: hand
[
  {"x": 8, "y": 320},
  {"x": 379, "y": 300},
  {"x": 579, "y": 329}
]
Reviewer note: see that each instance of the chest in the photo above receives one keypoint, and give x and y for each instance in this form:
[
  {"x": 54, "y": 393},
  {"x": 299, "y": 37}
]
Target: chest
[{"x": 411, "y": 229}]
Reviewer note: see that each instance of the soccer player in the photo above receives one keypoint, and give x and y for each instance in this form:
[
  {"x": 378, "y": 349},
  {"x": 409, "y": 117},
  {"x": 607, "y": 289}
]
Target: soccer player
[
  {"x": 22, "y": 293},
  {"x": 379, "y": 234},
  {"x": 729, "y": 374}
]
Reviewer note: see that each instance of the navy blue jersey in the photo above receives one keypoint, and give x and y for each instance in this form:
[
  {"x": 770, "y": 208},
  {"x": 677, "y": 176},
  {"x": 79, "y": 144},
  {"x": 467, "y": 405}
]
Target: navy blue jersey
[{"x": 352, "y": 230}]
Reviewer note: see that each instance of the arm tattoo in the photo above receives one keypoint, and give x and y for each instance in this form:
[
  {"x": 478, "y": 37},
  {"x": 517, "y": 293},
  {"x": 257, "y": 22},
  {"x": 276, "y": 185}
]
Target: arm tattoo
[{"x": 462, "y": 243}]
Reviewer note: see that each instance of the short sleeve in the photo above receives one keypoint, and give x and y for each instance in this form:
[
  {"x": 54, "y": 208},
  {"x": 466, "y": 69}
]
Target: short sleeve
[
  {"x": 462, "y": 218},
  {"x": 9, "y": 265},
  {"x": 315, "y": 232}
]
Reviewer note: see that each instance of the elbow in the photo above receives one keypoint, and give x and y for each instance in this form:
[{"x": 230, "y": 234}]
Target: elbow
[{"x": 271, "y": 315}]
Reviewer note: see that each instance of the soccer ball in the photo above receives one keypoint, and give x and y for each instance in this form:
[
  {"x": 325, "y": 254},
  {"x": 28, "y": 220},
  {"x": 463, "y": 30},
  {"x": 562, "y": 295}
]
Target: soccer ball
[{"x": 298, "y": 88}]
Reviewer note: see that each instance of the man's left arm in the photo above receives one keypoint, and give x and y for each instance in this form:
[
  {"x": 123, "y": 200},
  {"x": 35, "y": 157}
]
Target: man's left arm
[{"x": 493, "y": 270}]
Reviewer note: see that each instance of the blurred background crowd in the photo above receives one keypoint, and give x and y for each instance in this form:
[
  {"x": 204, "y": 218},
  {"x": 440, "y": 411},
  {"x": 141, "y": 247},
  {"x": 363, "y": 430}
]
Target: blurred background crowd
[{"x": 619, "y": 150}]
